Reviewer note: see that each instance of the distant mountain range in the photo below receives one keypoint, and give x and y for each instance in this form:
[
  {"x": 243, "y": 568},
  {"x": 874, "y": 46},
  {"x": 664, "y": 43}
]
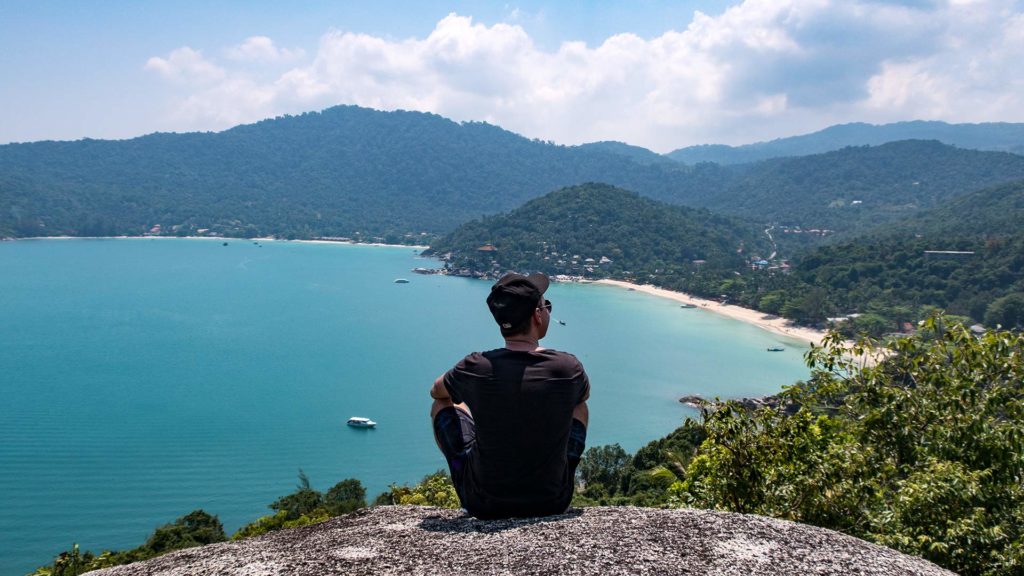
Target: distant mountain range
[
  {"x": 346, "y": 171},
  {"x": 1001, "y": 137},
  {"x": 409, "y": 176}
]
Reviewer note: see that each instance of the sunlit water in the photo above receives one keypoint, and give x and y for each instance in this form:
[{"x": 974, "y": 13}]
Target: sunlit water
[{"x": 145, "y": 378}]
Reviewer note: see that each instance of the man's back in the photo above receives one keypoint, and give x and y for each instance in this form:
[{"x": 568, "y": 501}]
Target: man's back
[
  {"x": 522, "y": 403},
  {"x": 512, "y": 422}
]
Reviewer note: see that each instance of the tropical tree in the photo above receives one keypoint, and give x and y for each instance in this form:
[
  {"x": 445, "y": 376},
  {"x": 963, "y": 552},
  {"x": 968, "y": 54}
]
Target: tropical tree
[
  {"x": 1007, "y": 311},
  {"x": 433, "y": 490},
  {"x": 603, "y": 466},
  {"x": 921, "y": 449}
]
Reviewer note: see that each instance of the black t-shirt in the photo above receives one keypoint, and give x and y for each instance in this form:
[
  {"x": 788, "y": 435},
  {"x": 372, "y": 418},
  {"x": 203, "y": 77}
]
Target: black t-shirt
[{"x": 522, "y": 403}]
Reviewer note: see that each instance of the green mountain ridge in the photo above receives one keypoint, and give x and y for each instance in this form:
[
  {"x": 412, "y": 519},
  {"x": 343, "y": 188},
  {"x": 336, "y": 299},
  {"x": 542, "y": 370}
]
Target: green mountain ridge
[
  {"x": 638, "y": 154},
  {"x": 855, "y": 189},
  {"x": 344, "y": 171},
  {"x": 992, "y": 136}
]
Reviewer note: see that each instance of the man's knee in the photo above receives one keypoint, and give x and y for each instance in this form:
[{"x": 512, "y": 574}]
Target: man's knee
[{"x": 455, "y": 433}]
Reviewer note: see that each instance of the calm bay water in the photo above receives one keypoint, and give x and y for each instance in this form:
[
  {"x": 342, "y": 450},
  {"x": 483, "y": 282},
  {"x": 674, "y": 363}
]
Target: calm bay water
[{"x": 145, "y": 378}]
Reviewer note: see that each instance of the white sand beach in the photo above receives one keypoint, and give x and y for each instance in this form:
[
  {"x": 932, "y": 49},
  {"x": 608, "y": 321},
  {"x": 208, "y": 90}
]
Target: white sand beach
[{"x": 768, "y": 322}]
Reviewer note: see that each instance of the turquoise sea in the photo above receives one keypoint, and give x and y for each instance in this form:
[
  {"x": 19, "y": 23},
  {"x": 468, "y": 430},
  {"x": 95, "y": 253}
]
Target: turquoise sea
[{"x": 145, "y": 378}]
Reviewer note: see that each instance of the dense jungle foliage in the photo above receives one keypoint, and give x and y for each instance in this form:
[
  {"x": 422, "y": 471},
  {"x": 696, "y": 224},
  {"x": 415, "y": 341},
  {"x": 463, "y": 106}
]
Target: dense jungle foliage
[{"x": 920, "y": 449}]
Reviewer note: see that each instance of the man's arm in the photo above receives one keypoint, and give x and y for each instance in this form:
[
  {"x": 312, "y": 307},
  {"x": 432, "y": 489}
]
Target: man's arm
[
  {"x": 442, "y": 399},
  {"x": 581, "y": 411},
  {"x": 438, "y": 391}
]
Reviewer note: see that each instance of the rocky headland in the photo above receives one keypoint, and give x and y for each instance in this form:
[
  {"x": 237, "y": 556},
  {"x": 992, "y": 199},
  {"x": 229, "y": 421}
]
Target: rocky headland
[{"x": 790, "y": 408}]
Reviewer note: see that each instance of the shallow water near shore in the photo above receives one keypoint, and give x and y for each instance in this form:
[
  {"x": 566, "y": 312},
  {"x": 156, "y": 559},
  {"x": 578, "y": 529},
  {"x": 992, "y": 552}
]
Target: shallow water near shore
[{"x": 145, "y": 378}]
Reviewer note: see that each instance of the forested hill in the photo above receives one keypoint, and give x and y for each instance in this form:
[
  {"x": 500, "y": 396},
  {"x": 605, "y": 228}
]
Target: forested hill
[
  {"x": 854, "y": 189},
  {"x": 602, "y": 231},
  {"x": 893, "y": 273},
  {"x": 636, "y": 153},
  {"x": 1000, "y": 136},
  {"x": 890, "y": 277},
  {"x": 333, "y": 173},
  {"x": 993, "y": 211}
]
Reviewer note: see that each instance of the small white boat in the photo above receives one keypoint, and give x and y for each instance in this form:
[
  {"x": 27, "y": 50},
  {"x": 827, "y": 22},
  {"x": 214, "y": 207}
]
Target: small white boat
[
  {"x": 359, "y": 422},
  {"x": 401, "y": 281}
]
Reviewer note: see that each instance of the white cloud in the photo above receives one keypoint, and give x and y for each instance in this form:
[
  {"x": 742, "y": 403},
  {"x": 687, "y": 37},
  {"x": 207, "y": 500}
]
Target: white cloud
[
  {"x": 186, "y": 65},
  {"x": 262, "y": 49},
  {"x": 762, "y": 69}
]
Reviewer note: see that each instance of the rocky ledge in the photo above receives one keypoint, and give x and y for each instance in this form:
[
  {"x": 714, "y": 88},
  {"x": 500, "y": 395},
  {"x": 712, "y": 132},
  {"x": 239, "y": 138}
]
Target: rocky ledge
[
  {"x": 790, "y": 408},
  {"x": 421, "y": 540}
]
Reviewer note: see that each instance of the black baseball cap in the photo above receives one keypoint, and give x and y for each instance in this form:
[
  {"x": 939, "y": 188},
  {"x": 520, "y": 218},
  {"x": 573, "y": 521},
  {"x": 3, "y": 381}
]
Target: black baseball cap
[{"x": 514, "y": 297}]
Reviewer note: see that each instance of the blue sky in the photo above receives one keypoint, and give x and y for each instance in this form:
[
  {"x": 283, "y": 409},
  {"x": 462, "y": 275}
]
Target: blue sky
[{"x": 657, "y": 74}]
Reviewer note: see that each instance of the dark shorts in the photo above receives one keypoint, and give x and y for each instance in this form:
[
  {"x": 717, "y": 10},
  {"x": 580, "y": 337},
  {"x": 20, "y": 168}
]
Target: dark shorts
[{"x": 455, "y": 432}]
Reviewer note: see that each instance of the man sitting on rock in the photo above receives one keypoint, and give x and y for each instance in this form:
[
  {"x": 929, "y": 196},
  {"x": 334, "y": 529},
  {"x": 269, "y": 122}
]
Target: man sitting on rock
[{"x": 512, "y": 422}]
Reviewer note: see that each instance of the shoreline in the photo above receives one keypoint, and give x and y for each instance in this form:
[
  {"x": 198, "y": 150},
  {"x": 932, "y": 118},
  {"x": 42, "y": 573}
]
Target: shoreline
[
  {"x": 774, "y": 324},
  {"x": 219, "y": 238}
]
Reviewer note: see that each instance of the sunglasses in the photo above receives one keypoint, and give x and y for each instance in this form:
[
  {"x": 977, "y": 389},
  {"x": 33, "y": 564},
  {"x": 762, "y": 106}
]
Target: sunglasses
[{"x": 546, "y": 305}]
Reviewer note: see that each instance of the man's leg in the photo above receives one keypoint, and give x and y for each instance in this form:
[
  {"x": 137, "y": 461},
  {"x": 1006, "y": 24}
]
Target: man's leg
[
  {"x": 455, "y": 434},
  {"x": 441, "y": 404}
]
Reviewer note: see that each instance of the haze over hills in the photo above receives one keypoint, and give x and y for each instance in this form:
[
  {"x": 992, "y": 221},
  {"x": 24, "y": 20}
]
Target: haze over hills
[{"x": 993, "y": 136}]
